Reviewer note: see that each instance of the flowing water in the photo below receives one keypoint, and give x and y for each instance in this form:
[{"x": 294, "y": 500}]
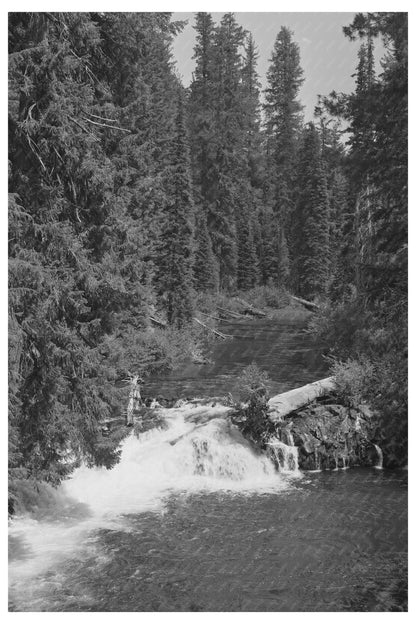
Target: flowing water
[
  {"x": 284, "y": 349},
  {"x": 194, "y": 519}
]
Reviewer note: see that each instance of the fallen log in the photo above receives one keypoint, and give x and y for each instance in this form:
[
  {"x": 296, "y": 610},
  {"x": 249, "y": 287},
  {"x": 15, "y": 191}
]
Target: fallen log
[
  {"x": 157, "y": 322},
  {"x": 220, "y": 412},
  {"x": 231, "y": 312},
  {"x": 214, "y": 331},
  {"x": 283, "y": 404},
  {"x": 310, "y": 305},
  {"x": 249, "y": 309},
  {"x": 216, "y": 318}
]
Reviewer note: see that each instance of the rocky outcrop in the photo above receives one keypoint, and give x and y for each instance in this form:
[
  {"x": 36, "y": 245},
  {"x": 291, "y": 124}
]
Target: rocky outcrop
[{"x": 330, "y": 436}]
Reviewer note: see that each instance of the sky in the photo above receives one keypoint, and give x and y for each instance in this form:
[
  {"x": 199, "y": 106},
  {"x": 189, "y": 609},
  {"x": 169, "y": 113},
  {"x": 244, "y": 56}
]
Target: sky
[{"x": 328, "y": 58}]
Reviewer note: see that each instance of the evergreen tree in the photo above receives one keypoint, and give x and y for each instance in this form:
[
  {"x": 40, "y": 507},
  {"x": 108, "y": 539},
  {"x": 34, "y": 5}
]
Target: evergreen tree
[
  {"x": 266, "y": 250},
  {"x": 230, "y": 160},
  {"x": 311, "y": 219},
  {"x": 87, "y": 150},
  {"x": 247, "y": 269},
  {"x": 205, "y": 263},
  {"x": 174, "y": 279},
  {"x": 201, "y": 107},
  {"x": 282, "y": 118},
  {"x": 61, "y": 299},
  {"x": 252, "y": 108}
]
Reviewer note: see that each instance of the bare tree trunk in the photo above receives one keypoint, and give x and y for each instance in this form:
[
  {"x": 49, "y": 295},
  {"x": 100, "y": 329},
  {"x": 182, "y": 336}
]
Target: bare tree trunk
[
  {"x": 214, "y": 331},
  {"x": 310, "y": 305},
  {"x": 134, "y": 400}
]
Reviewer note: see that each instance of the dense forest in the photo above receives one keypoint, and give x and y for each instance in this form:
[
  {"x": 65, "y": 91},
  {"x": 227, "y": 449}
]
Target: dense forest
[{"x": 130, "y": 195}]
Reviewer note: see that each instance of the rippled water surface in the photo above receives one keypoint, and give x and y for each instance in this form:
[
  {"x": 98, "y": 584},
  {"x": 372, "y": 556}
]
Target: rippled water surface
[
  {"x": 194, "y": 519},
  {"x": 334, "y": 541},
  {"x": 283, "y": 348}
]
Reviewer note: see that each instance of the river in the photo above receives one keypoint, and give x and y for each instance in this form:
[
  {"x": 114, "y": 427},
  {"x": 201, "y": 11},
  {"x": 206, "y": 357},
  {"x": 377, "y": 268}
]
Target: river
[{"x": 193, "y": 519}]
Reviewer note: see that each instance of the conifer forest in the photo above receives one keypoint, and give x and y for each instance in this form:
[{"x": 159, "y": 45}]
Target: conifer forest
[{"x": 134, "y": 200}]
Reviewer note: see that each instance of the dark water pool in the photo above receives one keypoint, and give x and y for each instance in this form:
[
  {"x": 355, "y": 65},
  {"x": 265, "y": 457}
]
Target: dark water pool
[{"x": 333, "y": 542}]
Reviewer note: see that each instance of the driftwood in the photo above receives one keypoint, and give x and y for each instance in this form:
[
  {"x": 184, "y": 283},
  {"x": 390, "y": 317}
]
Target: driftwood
[
  {"x": 216, "y": 318},
  {"x": 214, "y": 331},
  {"x": 310, "y": 305},
  {"x": 157, "y": 322},
  {"x": 184, "y": 435},
  {"x": 220, "y": 412},
  {"x": 249, "y": 309},
  {"x": 231, "y": 312},
  {"x": 283, "y": 404}
]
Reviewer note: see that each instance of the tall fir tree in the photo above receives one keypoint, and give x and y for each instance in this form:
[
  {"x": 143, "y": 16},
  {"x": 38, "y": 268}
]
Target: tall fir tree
[
  {"x": 311, "y": 219},
  {"x": 87, "y": 168},
  {"x": 201, "y": 106},
  {"x": 252, "y": 107},
  {"x": 230, "y": 158},
  {"x": 174, "y": 275},
  {"x": 282, "y": 125}
]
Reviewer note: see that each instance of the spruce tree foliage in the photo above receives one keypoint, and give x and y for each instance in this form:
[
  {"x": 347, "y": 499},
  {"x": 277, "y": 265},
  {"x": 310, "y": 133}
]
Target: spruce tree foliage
[
  {"x": 247, "y": 269},
  {"x": 377, "y": 160},
  {"x": 311, "y": 219},
  {"x": 282, "y": 125},
  {"x": 201, "y": 107},
  {"x": 174, "y": 279},
  {"x": 252, "y": 106},
  {"x": 376, "y": 169},
  {"x": 201, "y": 121},
  {"x": 333, "y": 154},
  {"x": 225, "y": 136},
  {"x": 230, "y": 159},
  {"x": 205, "y": 264},
  {"x": 61, "y": 299},
  {"x": 87, "y": 168}
]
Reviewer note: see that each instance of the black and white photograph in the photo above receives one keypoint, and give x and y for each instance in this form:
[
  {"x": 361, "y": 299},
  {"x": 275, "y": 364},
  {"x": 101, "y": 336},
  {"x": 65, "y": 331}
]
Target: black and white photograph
[{"x": 207, "y": 309}]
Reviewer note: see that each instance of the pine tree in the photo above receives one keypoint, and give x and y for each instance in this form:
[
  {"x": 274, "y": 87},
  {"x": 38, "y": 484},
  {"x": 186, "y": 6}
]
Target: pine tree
[
  {"x": 88, "y": 178},
  {"x": 266, "y": 250},
  {"x": 201, "y": 107},
  {"x": 60, "y": 297},
  {"x": 252, "y": 108},
  {"x": 247, "y": 269},
  {"x": 174, "y": 278},
  {"x": 282, "y": 118},
  {"x": 311, "y": 219},
  {"x": 230, "y": 160}
]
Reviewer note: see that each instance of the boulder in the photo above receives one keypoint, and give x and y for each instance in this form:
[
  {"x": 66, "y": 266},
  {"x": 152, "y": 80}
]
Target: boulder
[{"x": 330, "y": 436}]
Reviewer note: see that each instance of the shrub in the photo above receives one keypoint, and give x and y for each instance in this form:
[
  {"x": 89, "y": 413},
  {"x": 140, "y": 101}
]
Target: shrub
[
  {"x": 267, "y": 297},
  {"x": 251, "y": 382},
  {"x": 155, "y": 350},
  {"x": 354, "y": 380},
  {"x": 343, "y": 327},
  {"x": 252, "y": 419}
]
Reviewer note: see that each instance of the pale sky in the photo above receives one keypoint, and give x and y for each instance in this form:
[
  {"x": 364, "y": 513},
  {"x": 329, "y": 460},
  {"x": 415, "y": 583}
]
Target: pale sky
[{"x": 328, "y": 58}]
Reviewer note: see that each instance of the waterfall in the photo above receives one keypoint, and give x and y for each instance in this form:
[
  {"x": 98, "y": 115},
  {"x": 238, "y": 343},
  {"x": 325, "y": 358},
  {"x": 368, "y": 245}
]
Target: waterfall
[
  {"x": 289, "y": 438},
  {"x": 200, "y": 450},
  {"x": 285, "y": 455},
  {"x": 379, "y": 464},
  {"x": 317, "y": 460}
]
